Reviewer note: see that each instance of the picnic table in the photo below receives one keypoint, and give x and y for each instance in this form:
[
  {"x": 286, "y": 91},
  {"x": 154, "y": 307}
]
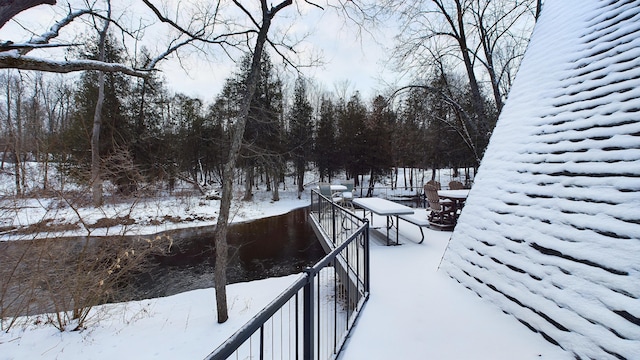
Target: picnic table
[{"x": 385, "y": 208}]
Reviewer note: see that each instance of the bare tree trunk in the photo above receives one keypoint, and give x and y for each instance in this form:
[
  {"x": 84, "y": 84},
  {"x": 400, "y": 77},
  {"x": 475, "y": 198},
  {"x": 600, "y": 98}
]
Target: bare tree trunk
[
  {"x": 275, "y": 195},
  {"x": 248, "y": 185},
  {"x": 464, "y": 48},
  {"x": 96, "y": 178},
  {"x": 488, "y": 54},
  {"x": 538, "y": 8},
  {"x": 220, "y": 235},
  {"x": 300, "y": 176},
  {"x": 404, "y": 175},
  {"x": 15, "y": 133},
  {"x": 18, "y": 148},
  {"x": 411, "y": 178},
  {"x": 371, "y": 183},
  {"x": 267, "y": 171},
  {"x": 395, "y": 178}
]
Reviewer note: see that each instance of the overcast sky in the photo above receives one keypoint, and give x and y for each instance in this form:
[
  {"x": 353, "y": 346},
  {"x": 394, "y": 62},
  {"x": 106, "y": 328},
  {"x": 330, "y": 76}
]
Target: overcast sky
[
  {"x": 347, "y": 54},
  {"x": 347, "y": 57}
]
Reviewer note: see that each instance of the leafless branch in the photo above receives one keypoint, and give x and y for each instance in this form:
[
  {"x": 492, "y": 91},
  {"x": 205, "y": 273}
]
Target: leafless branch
[
  {"x": 12, "y": 60},
  {"x": 25, "y": 47},
  {"x": 314, "y": 4},
  {"x": 220, "y": 39},
  {"x": 54, "y": 31},
  {"x": 244, "y": 10}
]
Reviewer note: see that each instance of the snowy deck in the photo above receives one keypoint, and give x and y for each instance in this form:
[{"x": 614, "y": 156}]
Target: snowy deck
[{"x": 417, "y": 312}]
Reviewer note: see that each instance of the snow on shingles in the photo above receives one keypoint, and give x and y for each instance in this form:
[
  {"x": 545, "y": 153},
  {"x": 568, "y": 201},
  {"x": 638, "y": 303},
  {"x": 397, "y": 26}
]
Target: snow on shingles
[{"x": 551, "y": 229}]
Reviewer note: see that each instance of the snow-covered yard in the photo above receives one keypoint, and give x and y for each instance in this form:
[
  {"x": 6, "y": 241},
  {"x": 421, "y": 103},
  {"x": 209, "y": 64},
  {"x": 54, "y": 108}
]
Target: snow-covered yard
[{"x": 414, "y": 312}]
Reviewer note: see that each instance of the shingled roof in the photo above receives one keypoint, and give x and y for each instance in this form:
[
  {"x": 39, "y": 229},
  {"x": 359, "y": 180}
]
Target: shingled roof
[{"x": 551, "y": 229}]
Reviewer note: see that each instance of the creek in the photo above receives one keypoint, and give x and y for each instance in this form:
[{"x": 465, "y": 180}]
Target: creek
[
  {"x": 39, "y": 276},
  {"x": 269, "y": 247}
]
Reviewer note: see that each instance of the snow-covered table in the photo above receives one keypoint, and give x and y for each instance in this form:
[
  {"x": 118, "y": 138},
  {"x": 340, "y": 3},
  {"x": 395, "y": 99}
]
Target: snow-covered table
[
  {"x": 385, "y": 208},
  {"x": 457, "y": 198}
]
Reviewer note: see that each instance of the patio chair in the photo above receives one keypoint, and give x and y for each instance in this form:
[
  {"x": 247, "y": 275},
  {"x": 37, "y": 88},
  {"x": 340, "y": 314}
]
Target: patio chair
[
  {"x": 456, "y": 185},
  {"x": 347, "y": 195},
  {"x": 435, "y": 183},
  {"x": 441, "y": 211},
  {"x": 325, "y": 190}
]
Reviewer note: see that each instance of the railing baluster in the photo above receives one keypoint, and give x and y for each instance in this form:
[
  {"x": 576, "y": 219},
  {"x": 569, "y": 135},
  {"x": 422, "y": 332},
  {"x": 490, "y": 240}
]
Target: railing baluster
[{"x": 307, "y": 347}]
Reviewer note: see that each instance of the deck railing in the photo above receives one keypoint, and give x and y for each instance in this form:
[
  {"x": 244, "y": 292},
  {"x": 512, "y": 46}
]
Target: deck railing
[{"x": 313, "y": 317}]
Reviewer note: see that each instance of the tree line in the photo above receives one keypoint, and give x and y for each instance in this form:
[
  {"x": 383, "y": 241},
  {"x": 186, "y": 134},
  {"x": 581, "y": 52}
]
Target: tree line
[{"x": 150, "y": 136}]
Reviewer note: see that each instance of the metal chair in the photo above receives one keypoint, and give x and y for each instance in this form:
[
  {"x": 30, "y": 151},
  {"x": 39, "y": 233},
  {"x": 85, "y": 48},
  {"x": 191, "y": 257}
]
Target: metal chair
[
  {"x": 325, "y": 190},
  {"x": 347, "y": 195}
]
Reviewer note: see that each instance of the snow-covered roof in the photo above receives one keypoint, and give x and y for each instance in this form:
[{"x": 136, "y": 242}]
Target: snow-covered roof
[{"x": 551, "y": 228}]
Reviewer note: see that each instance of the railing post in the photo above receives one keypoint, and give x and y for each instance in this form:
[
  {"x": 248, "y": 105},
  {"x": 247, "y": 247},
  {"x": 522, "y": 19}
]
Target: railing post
[
  {"x": 367, "y": 270},
  {"x": 308, "y": 325},
  {"x": 334, "y": 222}
]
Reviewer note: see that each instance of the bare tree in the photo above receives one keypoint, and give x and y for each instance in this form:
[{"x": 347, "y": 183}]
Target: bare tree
[
  {"x": 15, "y": 93},
  {"x": 470, "y": 33},
  {"x": 96, "y": 179},
  {"x": 497, "y": 24},
  {"x": 220, "y": 274}
]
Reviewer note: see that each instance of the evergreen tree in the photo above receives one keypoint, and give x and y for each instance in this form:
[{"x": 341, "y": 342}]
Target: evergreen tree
[
  {"x": 145, "y": 103},
  {"x": 326, "y": 154},
  {"x": 263, "y": 144},
  {"x": 188, "y": 112},
  {"x": 300, "y": 135},
  {"x": 115, "y": 132},
  {"x": 378, "y": 154},
  {"x": 351, "y": 139}
]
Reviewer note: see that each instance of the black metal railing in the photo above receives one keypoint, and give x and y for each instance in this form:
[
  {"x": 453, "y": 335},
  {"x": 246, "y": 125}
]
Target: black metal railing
[
  {"x": 336, "y": 222},
  {"x": 313, "y": 317}
]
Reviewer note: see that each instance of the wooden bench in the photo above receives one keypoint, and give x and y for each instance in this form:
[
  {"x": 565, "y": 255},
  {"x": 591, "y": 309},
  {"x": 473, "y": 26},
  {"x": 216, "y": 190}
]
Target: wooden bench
[{"x": 420, "y": 220}]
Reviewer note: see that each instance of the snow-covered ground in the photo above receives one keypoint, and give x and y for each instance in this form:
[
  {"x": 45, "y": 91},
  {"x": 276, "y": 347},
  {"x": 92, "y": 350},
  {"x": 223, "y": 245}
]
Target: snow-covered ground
[
  {"x": 72, "y": 213},
  {"x": 414, "y": 312}
]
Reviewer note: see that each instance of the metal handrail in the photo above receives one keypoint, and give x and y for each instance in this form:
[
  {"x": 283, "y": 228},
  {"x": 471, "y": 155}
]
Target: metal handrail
[{"x": 340, "y": 261}]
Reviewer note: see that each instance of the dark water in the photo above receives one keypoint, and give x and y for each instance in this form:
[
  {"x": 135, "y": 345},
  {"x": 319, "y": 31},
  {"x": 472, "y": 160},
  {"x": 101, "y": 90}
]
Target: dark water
[
  {"x": 57, "y": 274},
  {"x": 270, "y": 247}
]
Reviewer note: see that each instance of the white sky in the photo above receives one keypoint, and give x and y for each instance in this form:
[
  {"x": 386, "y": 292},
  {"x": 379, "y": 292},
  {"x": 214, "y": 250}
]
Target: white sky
[{"x": 347, "y": 57}]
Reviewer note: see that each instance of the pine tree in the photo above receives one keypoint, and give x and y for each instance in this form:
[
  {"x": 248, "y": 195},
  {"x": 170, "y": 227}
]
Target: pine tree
[
  {"x": 300, "y": 135},
  {"x": 351, "y": 140},
  {"x": 115, "y": 130},
  {"x": 325, "y": 145},
  {"x": 378, "y": 156}
]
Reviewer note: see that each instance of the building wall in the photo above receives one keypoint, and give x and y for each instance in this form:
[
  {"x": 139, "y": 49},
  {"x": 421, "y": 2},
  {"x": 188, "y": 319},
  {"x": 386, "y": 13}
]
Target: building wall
[{"x": 551, "y": 229}]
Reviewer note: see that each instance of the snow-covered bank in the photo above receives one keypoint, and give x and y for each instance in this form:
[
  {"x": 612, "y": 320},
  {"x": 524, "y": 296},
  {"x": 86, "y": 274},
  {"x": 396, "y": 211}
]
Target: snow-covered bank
[
  {"x": 52, "y": 217},
  {"x": 181, "y": 326}
]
